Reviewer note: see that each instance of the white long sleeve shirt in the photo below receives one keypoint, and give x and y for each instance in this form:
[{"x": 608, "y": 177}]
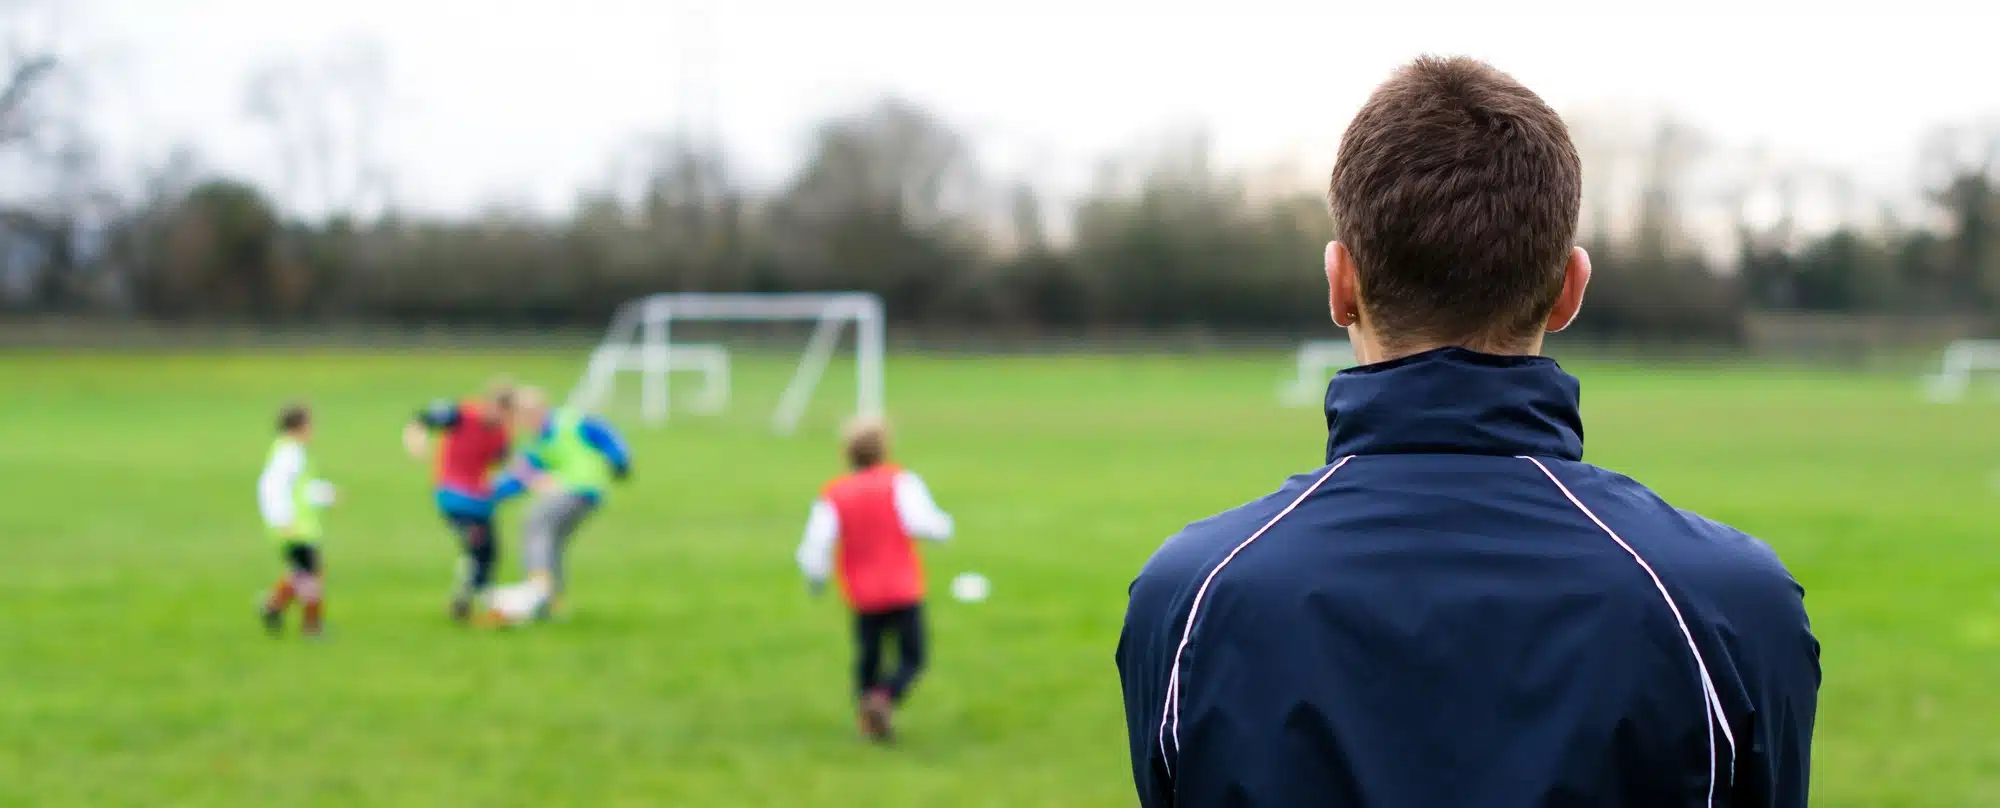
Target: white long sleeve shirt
[
  {"x": 276, "y": 485},
  {"x": 920, "y": 515}
]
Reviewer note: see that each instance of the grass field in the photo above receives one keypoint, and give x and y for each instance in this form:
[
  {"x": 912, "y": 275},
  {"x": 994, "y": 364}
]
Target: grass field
[{"x": 693, "y": 670}]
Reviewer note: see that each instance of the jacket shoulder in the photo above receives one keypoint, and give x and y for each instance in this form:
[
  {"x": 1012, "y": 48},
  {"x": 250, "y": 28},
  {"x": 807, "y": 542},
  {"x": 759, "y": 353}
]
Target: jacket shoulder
[
  {"x": 1701, "y": 553},
  {"x": 1200, "y": 545}
]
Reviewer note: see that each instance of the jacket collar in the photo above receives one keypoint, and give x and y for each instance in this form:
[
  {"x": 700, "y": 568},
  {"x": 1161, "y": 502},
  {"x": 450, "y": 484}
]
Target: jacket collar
[{"x": 1455, "y": 401}]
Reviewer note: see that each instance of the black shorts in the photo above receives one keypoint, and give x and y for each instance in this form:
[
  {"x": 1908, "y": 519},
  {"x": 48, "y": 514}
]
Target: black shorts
[{"x": 302, "y": 557}]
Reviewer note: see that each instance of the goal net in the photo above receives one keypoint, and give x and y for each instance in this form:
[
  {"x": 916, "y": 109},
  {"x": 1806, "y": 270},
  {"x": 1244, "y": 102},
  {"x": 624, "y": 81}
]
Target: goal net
[
  {"x": 641, "y": 340},
  {"x": 1961, "y": 361},
  {"x": 1317, "y": 361}
]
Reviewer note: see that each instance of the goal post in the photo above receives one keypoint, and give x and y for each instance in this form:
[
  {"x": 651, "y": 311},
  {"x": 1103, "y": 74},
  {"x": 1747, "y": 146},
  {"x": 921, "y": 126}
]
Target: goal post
[
  {"x": 640, "y": 339},
  {"x": 1316, "y": 361},
  {"x": 1961, "y": 360}
]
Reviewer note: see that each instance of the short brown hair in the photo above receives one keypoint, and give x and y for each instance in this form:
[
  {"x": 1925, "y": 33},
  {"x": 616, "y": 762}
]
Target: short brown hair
[
  {"x": 1457, "y": 190},
  {"x": 866, "y": 441},
  {"x": 292, "y": 416}
]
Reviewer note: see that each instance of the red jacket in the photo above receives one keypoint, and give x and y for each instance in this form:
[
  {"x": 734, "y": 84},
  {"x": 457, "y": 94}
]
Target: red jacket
[{"x": 876, "y": 558}]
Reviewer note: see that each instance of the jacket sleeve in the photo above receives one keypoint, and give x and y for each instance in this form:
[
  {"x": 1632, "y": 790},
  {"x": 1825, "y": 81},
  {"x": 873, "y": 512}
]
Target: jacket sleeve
[
  {"x": 439, "y": 415},
  {"x": 1776, "y": 768},
  {"x": 276, "y": 484},
  {"x": 815, "y": 555},
  {"x": 531, "y": 460},
  {"x": 920, "y": 515},
  {"x": 1238, "y": 720},
  {"x": 605, "y": 440},
  {"x": 508, "y": 486},
  {"x": 1144, "y": 657}
]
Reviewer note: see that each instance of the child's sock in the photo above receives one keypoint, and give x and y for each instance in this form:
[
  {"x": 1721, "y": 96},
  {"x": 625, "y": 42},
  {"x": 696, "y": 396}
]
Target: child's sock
[
  {"x": 281, "y": 596},
  {"x": 313, "y": 602},
  {"x": 311, "y": 624}
]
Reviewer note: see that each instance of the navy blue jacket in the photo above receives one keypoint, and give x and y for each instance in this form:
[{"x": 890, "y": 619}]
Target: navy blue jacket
[{"x": 1458, "y": 611}]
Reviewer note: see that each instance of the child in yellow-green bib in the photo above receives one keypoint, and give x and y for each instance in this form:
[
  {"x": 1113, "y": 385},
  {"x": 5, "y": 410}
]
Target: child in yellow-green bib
[
  {"x": 569, "y": 464},
  {"x": 291, "y": 498}
]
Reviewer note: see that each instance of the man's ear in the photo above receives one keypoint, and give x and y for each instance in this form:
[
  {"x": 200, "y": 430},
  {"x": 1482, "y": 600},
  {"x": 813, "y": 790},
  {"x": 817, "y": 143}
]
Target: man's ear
[
  {"x": 1343, "y": 296},
  {"x": 1576, "y": 276}
]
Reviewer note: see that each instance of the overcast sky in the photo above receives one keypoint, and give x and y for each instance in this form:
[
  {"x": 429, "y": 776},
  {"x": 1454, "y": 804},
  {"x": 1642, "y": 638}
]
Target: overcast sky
[{"x": 525, "y": 100}]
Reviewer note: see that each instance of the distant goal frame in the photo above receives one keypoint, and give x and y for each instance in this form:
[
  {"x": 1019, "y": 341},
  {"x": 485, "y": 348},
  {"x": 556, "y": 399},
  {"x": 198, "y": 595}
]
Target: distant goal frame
[
  {"x": 640, "y": 339},
  {"x": 1311, "y": 364},
  {"x": 1962, "y": 359}
]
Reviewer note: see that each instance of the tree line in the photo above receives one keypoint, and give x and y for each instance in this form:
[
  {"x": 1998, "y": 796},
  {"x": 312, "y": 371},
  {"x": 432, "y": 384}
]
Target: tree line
[{"x": 891, "y": 199}]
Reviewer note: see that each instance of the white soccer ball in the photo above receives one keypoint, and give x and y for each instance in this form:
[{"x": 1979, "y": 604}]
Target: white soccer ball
[
  {"x": 516, "y": 603},
  {"x": 319, "y": 493},
  {"x": 970, "y": 587}
]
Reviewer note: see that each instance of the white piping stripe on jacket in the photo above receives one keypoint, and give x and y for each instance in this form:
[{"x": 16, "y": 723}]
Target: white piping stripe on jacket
[
  {"x": 1172, "y": 709},
  {"x": 1712, "y": 714}
]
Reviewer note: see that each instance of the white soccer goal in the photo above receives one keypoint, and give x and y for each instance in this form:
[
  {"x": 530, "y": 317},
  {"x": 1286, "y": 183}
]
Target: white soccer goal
[
  {"x": 1317, "y": 361},
  {"x": 1961, "y": 360},
  {"x": 640, "y": 340}
]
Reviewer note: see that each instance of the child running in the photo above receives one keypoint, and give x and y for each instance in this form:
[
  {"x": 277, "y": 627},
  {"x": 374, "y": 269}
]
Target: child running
[
  {"x": 862, "y": 525},
  {"x": 472, "y": 441},
  {"x": 291, "y": 499},
  {"x": 568, "y": 464}
]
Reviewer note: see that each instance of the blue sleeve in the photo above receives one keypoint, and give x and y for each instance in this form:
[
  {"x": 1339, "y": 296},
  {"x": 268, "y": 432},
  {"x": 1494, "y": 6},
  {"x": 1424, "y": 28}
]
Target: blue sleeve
[
  {"x": 529, "y": 456},
  {"x": 601, "y": 437},
  {"x": 508, "y": 487},
  {"x": 439, "y": 414}
]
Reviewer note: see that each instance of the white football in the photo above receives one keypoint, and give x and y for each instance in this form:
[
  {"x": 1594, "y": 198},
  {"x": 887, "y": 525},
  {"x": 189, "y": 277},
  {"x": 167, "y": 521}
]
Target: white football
[
  {"x": 319, "y": 493},
  {"x": 970, "y": 587},
  {"x": 516, "y": 603}
]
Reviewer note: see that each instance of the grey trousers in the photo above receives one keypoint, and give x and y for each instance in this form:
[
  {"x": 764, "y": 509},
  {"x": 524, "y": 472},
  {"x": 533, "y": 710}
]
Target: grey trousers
[{"x": 551, "y": 520}]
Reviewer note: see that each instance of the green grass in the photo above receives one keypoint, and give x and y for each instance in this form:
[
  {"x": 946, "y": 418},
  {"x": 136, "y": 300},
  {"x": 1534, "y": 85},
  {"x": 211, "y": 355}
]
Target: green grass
[{"x": 694, "y": 671}]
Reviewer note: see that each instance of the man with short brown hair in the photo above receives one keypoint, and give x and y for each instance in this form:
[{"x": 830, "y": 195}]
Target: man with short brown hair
[
  {"x": 1456, "y": 193},
  {"x": 1456, "y": 610}
]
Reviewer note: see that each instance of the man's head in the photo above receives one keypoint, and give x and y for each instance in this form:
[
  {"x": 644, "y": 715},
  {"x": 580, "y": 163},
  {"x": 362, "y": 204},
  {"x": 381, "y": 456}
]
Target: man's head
[
  {"x": 866, "y": 442},
  {"x": 530, "y": 407},
  {"x": 295, "y": 421},
  {"x": 1455, "y": 197}
]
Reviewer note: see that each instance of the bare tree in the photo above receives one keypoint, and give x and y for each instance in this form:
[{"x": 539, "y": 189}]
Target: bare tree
[
  {"x": 887, "y": 200},
  {"x": 24, "y": 73},
  {"x": 53, "y": 198},
  {"x": 1663, "y": 209},
  {"x": 323, "y": 115},
  {"x": 1961, "y": 174}
]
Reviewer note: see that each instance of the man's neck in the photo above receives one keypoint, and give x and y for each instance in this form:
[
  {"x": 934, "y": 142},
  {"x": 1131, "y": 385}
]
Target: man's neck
[{"x": 1369, "y": 351}]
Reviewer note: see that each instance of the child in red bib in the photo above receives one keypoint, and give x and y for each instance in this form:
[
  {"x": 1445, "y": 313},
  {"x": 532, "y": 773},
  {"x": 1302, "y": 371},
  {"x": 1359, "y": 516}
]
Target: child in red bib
[
  {"x": 472, "y": 444},
  {"x": 861, "y": 530}
]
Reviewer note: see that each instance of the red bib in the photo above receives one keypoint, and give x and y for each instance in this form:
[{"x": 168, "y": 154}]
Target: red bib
[
  {"x": 470, "y": 449},
  {"x": 879, "y": 569}
]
